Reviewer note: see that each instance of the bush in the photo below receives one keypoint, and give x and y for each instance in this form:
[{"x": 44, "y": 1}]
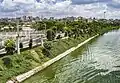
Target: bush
[
  {"x": 50, "y": 35},
  {"x": 7, "y": 61},
  {"x": 47, "y": 46},
  {"x": 46, "y": 49},
  {"x": 21, "y": 45},
  {"x": 46, "y": 52},
  {"x": 30, "y": 43},
  {"x": 10, "y": 46}
]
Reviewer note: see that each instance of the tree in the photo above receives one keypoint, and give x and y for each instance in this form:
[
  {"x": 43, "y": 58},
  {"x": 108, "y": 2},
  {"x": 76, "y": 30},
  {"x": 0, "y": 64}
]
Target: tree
[
  {"x": 21, "y": 45},
  {"x": 47, "y": 46},
  {"x": 7, "y": 61},
  {"x": 46, "y": 49},
  {"x": 30, "y": 43},
  {"x": 60, "y": 26},
  {"x": 50, "y": 35},
  {"x": 10, "y": 46}
]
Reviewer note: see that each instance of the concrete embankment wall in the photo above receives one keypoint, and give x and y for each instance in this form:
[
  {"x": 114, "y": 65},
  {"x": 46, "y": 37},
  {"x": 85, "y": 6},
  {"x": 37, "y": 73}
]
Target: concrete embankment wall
[{"x": 30, "y": 73}]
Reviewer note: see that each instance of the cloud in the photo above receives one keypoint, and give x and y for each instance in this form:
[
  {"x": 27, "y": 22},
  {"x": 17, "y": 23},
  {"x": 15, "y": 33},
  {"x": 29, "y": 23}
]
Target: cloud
[
  {"x": 60, "y": 8},
  {"x": 1, "y": 1},
  {"x": 89, "y": 1},
  {"x": 114, "y": 4},
  {"x": 41, "y": 7}
]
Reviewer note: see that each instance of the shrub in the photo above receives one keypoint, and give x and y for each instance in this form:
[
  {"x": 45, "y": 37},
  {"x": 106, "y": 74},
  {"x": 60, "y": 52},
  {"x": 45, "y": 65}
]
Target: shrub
[
  {"x": 10, "y": 46},
  {"x": 50, "y": 35},
  {"x": 21, "y": 45},
  {"x": 7, "y": 61},
  {"x": 46, "y": 52},
  {"x": 47, "y": 46},
  {"x": 30, "y": 43},
  {"x": 46, "y": 49}
]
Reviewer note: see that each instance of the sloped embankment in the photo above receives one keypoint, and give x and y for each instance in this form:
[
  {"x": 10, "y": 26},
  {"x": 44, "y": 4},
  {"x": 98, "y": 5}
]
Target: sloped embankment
[
  {"x": 30, "y": 59},
  {"x": 19, "y": 64}
]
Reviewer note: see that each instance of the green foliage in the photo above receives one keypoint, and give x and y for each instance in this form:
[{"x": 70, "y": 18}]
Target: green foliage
[
  {"x": 21, "y": 45},
  {"x": 30, "y": 43},
  {"x": 10, "y": 46},
  {"x": 46, "y": 49},
  {"x": 46, "y": 52},
  {"x": 38, "y": 26},
  {"x": 50, "y": 35},
  {"x": 47, "y": 45},
  {"x": 75, "y": 28},
  {"x": 7, "y": 61},
  {"x": 14, "y": 65}
]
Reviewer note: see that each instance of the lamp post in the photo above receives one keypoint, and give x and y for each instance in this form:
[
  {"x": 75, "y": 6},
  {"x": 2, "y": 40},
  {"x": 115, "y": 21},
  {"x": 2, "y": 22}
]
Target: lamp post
[
  {"x": 18, "y": 39},
  {"x": 45, "y": 29},
  {"x": 66, "y": 28},
  {"x": 104, "y": 15},
  {"x": 42, "y": 42},
  {"x": 18, "y": 43}
]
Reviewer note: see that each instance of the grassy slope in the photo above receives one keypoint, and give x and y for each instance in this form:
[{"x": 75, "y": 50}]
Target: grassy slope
[
  {"x": 21, "y": 63},
  {"x": 63, "y": 45},
  {"x": 30, "y": 59}
]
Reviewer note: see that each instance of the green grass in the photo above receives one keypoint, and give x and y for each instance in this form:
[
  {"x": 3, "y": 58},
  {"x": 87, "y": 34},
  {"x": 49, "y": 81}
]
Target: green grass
[
  {"x": 30, "y": 59},
  {"x": 22, "y": 63},
  {"x": 63, "y": 45}
]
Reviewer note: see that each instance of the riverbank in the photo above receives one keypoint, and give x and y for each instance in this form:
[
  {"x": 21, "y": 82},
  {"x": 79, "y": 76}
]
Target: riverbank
[
  {"x": 35, "y": 57},
  {"x": 30, "y": 59},
  {"x": 24, "y": 76}
]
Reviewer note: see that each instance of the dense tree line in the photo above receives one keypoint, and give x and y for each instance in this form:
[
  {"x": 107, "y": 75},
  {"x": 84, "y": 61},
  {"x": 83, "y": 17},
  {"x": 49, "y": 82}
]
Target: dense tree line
[{"x": 74, "y": 28}]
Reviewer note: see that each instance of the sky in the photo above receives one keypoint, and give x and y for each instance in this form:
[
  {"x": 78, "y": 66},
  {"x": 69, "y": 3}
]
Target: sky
[{"x": 60, "y": 8}]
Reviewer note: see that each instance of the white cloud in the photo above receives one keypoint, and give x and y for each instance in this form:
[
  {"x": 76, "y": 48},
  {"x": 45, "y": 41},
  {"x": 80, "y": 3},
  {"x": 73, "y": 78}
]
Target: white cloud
[
  {"x": 24, "y": 1},
  {"x": 60, "y": 6},
  {"x": 117, "y": 1},
  {"x": 56, "y": 8},
  {"x": 7, "y": 3}
]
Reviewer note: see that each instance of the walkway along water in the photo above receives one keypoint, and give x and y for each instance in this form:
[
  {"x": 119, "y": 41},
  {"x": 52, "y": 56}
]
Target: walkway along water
[{"x": 24, "y": 76}]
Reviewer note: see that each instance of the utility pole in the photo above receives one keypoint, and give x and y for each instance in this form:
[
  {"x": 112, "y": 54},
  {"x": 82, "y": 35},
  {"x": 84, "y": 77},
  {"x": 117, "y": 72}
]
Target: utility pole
[
  {"x": 104, "y": 15},
  {"x": 42, "y": 42},
  {"x": 18, "y": 39},
  {"x": 66, "y": 27},
  {"x": 45, "y": 29}
]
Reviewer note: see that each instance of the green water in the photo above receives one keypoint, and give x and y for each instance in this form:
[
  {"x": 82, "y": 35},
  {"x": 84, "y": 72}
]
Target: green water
[{"x": 95, "y": 62}]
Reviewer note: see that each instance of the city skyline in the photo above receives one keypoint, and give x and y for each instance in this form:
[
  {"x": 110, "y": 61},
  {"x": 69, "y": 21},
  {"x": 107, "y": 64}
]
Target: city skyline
[{"x": 60, "y": 8}]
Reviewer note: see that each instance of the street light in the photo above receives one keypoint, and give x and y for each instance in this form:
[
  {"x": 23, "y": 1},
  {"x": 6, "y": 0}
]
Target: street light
[
  {"x": 18, "y": 44},
  {"x": 104, "y": 15},
  {"x": 42, "y": 42},
  {"x": 45, "y": 28},
  {"x": 18, "y": 39}
]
